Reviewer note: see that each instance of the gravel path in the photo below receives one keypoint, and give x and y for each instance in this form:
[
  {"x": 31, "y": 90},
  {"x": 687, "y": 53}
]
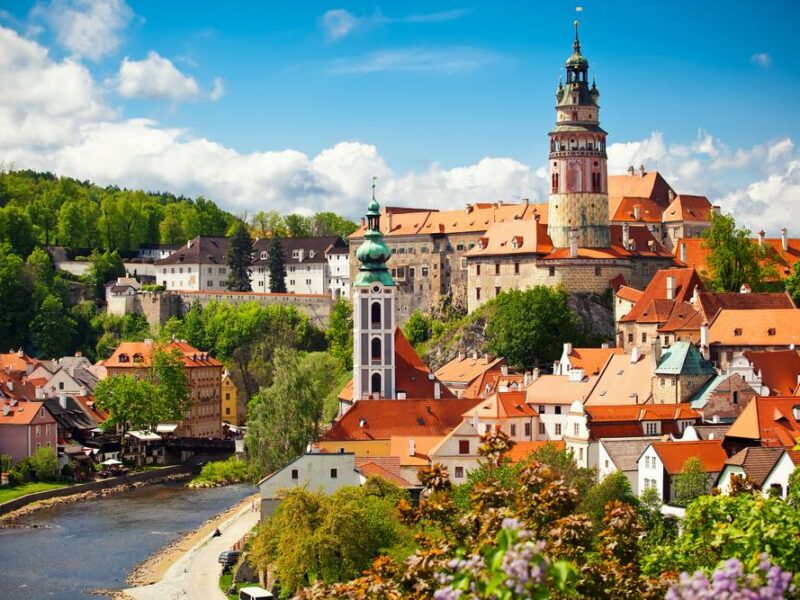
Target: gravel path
[{"x": 195, "y": 575}]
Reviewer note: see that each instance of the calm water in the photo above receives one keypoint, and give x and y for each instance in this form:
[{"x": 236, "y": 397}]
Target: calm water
[{"x": 95, "y": 544}]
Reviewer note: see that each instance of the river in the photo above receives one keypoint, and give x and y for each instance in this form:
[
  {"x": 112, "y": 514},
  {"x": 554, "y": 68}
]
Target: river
[{"x": 96, "y": 543}]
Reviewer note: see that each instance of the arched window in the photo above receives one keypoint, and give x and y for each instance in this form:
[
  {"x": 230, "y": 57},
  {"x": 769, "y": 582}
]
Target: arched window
[
  {"x": 375, "y": 383},
  {"x": 375, "y": 314},
  {"x": 574, "y": 115},
  {"x": 555, "y": 182},
  {"x": 375, "y": 349}
]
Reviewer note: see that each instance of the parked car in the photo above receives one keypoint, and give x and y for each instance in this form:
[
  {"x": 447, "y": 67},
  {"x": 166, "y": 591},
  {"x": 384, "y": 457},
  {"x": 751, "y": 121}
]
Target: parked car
[
  {"x": 229, "y": 558},
  {"x": 254, "y": 593}
]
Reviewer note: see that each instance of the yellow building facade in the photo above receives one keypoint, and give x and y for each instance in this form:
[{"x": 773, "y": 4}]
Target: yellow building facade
[{"x": 230, "y": 413}]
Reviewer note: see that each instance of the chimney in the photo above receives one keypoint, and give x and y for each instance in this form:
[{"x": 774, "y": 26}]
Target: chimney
[
  {"x": 704, "y": 340},
  {"x": 62, "y": 401},
  {"x": 576, "y": 375},
  {"x": 437, "y": 390},
  {"x": 536, "y": 373},
  {"x": 474, "y": 355},
  {"x": 670, "y": 195},
  {"x": 6, "y": 409},
  {"x": 412, "y": 446},
  {"x": 526, "y": 201},
  {"x": 468, "y": 208},
  {"x": 636, "y": 212},
  {"x": 655, "y": 348},
  {"x": 784, "y": 239},
  {"x": 573, "y": 242},
  {"x": 716, "y": 209},
  {"x": 78, "y": 353},
  {"x": 189, "y": 244},
  {"x": 301, "y": 254},
  {"x": 362, "y": 422},
  {"x": 567, "y": 348},
  {"x": 626, "y": 235},
  {"x": 388, "y": 221},
  {"x": 21, "y": 352},
  {"x": 745, "y": 289},
  {"x": 635, "y": 355},
  {"x": 604, "y": 346},
  {"x": 683, "y": 252},
  {"x": 504, "y": 370},
  {"x": 630, "y": 170},
  {"x": 761, "y": 235},
  {"x": 670, "y": 287},
  {"x": 641, "y": 170},
  {"x": 526, "y": 379},
  {"x": 461, "y": 356},
  {"x": 475, "y": 420}
]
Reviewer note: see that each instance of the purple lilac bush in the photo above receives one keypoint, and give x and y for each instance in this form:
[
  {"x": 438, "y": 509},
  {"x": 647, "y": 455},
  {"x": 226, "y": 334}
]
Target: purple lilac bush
[{"x": 730, "y": 582}]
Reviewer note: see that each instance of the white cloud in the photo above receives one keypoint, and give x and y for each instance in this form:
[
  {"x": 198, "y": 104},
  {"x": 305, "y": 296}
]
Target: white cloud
[
  {"x": 87, "y": 28},
  {"x": 155, "y": 77},
  {"x": 53, "y": 117},
  {"x": 415, "y": 60},
  {"x": 338, "y": 23},
  {"x": 762, "y": 59},
  {"x": 217, "y": 91}
]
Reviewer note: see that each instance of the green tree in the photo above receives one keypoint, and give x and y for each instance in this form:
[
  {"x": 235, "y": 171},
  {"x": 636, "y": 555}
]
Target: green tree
[
  {"x": 105, "y": 267},
  {"x": 52, "y": 329},
  {"x": 16, "y": 230},
  {"x": 276, "y": 263},
  {"x": 169, "y": 374},
  {"x": 44, "y": 464},
  {"x": 340, "y": 333},
  {"x": 239, "y": 258},
  {"x": 5, "y": 463},
  {"x": 529, "y": 327},
  {"x": 43, "y": 213},
  {"x": 691, "y": 482},
  {"x": 283, "y": 418},
  {"x": 734, "y": 259},
  {"x": 211, "y": 220},
  {"x": 297, "y": 226},
  {"x": 131, "y": 403},
  {"x": 15, "y": 299},
  {"x": 328, "y": 223},
  {"x": 614, "y": 486},
  {"x": 418, "y": 328},
  {"x": 78, "y": 224},
  {"x": 267, "y": 224},
  {"x": 793, "y": 283},
  {"x": 793, "y": 489}
]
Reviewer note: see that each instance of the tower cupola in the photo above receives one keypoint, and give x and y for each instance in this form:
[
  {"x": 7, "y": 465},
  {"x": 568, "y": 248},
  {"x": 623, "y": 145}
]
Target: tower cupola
[{"x": 373, "y": 254}]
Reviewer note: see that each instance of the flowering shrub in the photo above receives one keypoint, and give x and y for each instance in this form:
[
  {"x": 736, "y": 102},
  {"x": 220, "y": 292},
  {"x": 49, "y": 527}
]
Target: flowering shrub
[
  {"x": 514, "y": 567},
  {"x": 769, "y": 582}
]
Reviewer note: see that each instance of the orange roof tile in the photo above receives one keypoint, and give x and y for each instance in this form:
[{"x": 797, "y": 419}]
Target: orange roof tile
[
  {"x": 673, "y": 455},
  {"x": 682, "y": 317},
  {"x": 769, "y": 419},
  {"x": 558, "y": 389},
  {"x": 16, "y": 361},
  {"x": 503, "y": 405},
  {"x": 696, "y": 254},
  {"x": 383, "y": 419},
  {"x": 423, "y": 445},
  {"x": 625, "y": 211},
  {"x": 522, "y": 450},
  {"x": 765, "y": 327},
  {"x": 622, "y": 382},
  {"x": 513, "y": 237},
  {"x": 20, "y": 414},
  {"x": 591, "y": 360},
  {"x": 780, "y": 370},
  {"x": 641, "y": 412},
  {"x": 628, "y": 293},
  {"x": 710, "y": 303},
  {"x": 137, "y": 355},
  {"x": 371, "y": 467},
  {"x": 650, "y": 185},
  {"x": 648, "y": 309},
  {"x": 467, "y": 368},
  {"x": 688, "y": 208},
  {"x": 492, "y": 381}
]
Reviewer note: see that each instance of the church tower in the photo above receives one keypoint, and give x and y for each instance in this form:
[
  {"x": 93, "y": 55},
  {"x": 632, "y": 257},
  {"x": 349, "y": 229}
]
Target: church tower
[
  {"x": 373, "y": 314},
  {"x": 578, "y": 170}
]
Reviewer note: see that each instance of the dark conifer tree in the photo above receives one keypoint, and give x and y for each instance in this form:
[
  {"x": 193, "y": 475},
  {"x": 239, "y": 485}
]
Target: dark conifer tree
[
  {"x": 276, "y": 262},
  {"x": 239, "y": 258}
]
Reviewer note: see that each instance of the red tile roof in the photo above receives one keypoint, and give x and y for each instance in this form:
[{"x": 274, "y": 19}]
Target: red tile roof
[
  {"x": 625, "y": 212},
  {"x": 653, "y": 306},
  {"x": 710, "y": 303},
  {"x": 466, "y": 369},
  {"x": 591, "y": 360},
  {"x": 765, "y": 327},
  {"x": 697, "y": 254},
  {"x": 688, "y": 208},
  {"x": 522, "y": 450},
  {"x": 780, "y": 370},
  {"x": 648, "y": 185},
  {"x": 192, "y": 357},
  {"x": 768, "y": 419},
  {"x": 502, "y": 405},
  {"x": 20, "y": 414},
  {"x": 386, "y": 418},
  {"x": 640, "y": 412},
  {"x": 628, "y": 293},
  {"x": 674, "y": 455},
  {"x": 16, "y": 361},
  {"x": 683, "y": 317},
  {"x": 370, "y": 467}
]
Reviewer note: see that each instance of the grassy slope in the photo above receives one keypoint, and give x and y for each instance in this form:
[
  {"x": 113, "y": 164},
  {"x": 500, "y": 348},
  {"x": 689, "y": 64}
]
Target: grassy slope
[{"x": 7, "y": 494}]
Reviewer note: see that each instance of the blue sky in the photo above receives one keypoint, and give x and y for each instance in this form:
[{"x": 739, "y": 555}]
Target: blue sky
[{"x": 416, "y": 86}]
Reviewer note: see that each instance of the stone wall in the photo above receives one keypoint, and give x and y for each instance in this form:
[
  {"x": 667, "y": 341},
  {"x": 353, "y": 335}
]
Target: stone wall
[
  {"x": 316, "y": 307},
  {"x": 93, "y": 486},
  {"x": 155, "y": 307},
  {"x": 587, "y": 212}
]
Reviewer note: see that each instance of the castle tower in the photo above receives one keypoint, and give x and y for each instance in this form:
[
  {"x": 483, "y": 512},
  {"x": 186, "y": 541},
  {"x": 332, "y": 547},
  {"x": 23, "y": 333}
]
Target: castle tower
[
  {"x": 373, "y": 314},
  {"x": 578, "y": 170}
]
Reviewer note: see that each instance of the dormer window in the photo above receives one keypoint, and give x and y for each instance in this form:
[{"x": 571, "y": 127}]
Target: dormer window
[
  {"x": 263, "y": 255},
  {"x": 137, "y": 358},
  {"x": 295, "y": 253},
  {"x": 771, "y": 331},
  {"x": 123, "y": 358},
  {"x": 737, "y": 332}
]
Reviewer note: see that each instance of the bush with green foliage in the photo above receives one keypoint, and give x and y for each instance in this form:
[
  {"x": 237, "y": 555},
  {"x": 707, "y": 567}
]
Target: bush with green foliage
[
  {"x": 44, "y": 464},
  {"x": 692, "y": 481},
  {"x": 221, "y": 472}
]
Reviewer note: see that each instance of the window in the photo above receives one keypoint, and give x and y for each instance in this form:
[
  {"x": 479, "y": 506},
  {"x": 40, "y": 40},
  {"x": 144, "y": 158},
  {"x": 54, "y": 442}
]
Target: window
[
  {"x": 576, "y": 428},
  {"x": 651, "y": 428},
  {"x": 496, "y": 291},
  {"x": 38, "y": 430},
  {"x": 477, "y": 269},
  {"x": 551, "y": 271},
  {"x": 558, "y": 410},
  {"x": 666, "y": 340},
  {"x": 375, "y": 314},
  {"x": 411, "y": 272},
  {"x": 606, "y": 464},
  {"x": 460, "y": 247},
  {"x": 424, "y": 271},
  {"x": 47, "y": 429},
  {"x": 513, "y": 430},
  {"x": 334, "y": 473},
  {"x": 375, "y": 383},
  {"x": 477, "y": 293},
  {"x": 737, "y": 331},
  {"x": 463, "y": 446},
  {"x": 516, "y": 268},
  {"x": 227, "y": 410},
  {"x": 630, "y": 338},
  {"x": 41, "y": 412},
  {"x": 527, "y": 430},
  {"x": 558, "y": 428},
  {"x": 644, "y": 338},
  {"x": 542, "y": 410},
  {"x": 736, "y": 397},
  {"x": 663, "y": 381},
  {"x": 61, "y": 385},
  {"x": 580, "y": 454},
  {"x": 542, "y": 430},
  {"x": 497, "y": 268},
  {"x": 771, "y": 331},
  {"x": 598, "y": 271},
  {"x": 459, "y": 472},
  {"x": 295, "y": 474},
  {"x": 227, "y": 395},
  {"x": 375, "y": 350},
  {"x": 463, "y": 263}
]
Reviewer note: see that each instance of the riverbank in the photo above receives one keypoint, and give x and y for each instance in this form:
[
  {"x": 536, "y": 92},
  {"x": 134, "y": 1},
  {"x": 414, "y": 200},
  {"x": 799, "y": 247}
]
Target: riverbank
[
  {"x": 153, "y": 569},
  {"x": 98, "y": 489}
]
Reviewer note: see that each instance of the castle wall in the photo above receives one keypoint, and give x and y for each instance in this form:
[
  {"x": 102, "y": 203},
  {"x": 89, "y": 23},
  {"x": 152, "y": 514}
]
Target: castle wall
[{"x": 587, "y": 212}]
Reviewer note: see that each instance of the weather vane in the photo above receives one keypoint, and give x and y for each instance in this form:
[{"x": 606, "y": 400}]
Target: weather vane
[{"x": 374, "y": 179}]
